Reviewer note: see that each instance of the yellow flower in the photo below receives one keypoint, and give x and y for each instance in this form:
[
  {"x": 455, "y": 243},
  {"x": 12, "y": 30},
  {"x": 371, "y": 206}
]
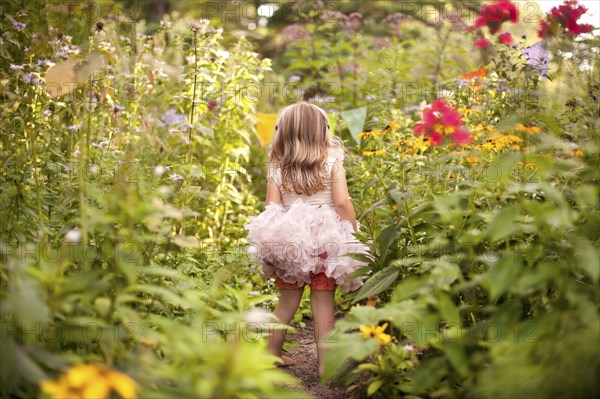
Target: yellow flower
[
  {"x": 376, "y": 332},
  {"x": 468, "y": 111},
  {"x": 371, "y": 153},
  {"x": 473, "y": 160},
  {"x": 578, "y": 153},
  {"x": 528, "y": 129},
  {"x": 484, "y": 128},
  {"x": 395, "y": 207},
  {"x": 89, "y": 381},
  {"x": 369, "y": 133},
  {"x": 393, "y": 125},
  {"x": 57, "y": 389},
  {"x": 124, "y": 385},
  {"x": 79, "y": 376}
]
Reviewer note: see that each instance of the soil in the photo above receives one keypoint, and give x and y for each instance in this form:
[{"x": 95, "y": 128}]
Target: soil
[{"x": 304, "y": 351}]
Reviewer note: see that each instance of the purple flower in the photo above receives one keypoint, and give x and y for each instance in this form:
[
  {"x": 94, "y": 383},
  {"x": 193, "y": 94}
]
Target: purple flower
[
  {"x": 30, "y": 79},
  {"x": 175, "y": 176},
  {"x": 171, "y": 117},
  {"x": 19, "y": 26},
  {"x": 16, "y": 67},
  {"x": 381, "y": 42},
  {"x": 294, "y": 32}
]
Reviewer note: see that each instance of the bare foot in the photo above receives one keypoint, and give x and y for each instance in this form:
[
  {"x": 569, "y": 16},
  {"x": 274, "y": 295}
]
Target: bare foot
[{"x": 287, "y": 361}]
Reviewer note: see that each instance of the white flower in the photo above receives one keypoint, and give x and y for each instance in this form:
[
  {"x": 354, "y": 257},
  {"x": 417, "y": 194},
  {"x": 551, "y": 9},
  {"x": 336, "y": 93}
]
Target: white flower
[
  {"x": 222, "y": 54},
  {"x": 408, "y": 348},
  {"x": 73, "y": 236},
  {"x": 94, "y": 170},
  {"x": 159, "y": 170}
]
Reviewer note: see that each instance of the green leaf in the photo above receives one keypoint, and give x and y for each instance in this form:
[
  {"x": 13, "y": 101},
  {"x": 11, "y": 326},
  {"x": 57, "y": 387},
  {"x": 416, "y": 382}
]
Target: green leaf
[
  {"x": 341, "y": 347},
  {"x": 355, "y": 118},
  {"x": 504, "y": 223},
  {"x": 407, "y": 288},
  {"x": 379, "y": 282},
  {"x": 400, "y": 197},
  {"x": 385, "y": 239},
  {"x": 374, "y": 387},
  {"x": 503, "y": 275},
  {"x": 587, "y": 257},
  {"x": 430, "y": 372}
]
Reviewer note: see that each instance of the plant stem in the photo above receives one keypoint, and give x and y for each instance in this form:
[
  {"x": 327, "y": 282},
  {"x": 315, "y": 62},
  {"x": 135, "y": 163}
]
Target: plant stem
[{"x": 195, "y": 43}]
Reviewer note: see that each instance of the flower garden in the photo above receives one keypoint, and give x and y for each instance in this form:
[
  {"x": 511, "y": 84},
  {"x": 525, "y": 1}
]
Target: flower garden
[{"x": 134, "y": 148}]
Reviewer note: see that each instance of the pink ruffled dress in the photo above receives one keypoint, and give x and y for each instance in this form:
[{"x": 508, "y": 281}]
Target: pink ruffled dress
[{"x": 290, "y": 237}]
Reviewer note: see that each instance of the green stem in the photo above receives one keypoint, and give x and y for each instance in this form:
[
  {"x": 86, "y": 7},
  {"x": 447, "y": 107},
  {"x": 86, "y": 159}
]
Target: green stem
[{"x": 189, "y": 153}]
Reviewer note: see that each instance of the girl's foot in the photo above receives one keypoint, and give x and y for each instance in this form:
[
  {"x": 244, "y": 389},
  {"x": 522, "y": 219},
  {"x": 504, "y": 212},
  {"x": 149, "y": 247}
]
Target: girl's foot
[{"x": 287, "y": 361}]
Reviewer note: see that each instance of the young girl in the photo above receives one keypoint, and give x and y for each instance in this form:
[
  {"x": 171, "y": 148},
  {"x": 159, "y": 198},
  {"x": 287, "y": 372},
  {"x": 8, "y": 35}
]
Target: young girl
[{"x": 308, "y": 224}]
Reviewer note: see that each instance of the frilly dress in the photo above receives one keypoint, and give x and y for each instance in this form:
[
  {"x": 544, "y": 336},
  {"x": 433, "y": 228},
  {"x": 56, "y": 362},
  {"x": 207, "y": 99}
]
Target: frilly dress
[{"x": 290, "y": 237}]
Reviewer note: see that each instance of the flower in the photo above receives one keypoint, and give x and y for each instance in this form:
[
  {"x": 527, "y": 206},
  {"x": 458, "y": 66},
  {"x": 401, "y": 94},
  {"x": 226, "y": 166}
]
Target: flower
[
  {"x": 73, "y": 236},
  {"x": 369, "y": 133},
  {"x": 19, "y": 26},
  {"x": 408, "y": 348},
  {"x": 482, "y": 42},
  {"x": 494, "y": 15},
  {"x": 441, "y": 120},
  {"x": 294, "y": 32},
  {"x": 527, "y": 129},
  {"x": 506, "y": 38},
  {"x": 90, "y": 381},
  {"x": 376, "y": 332},
  {"x": 564, "y": 16},
  {"x": 371, "y": 153},
  {"x": 171, "y": 117}
]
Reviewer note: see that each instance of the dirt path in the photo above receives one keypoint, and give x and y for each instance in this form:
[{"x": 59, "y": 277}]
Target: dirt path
[{"x": 305, "y": 353}]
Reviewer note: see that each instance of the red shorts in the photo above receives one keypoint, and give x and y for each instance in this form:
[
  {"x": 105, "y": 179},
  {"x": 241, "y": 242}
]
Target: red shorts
[{"x": 318, "y": 282}]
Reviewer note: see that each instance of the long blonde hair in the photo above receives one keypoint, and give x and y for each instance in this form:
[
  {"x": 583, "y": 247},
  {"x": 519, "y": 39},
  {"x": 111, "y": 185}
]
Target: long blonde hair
[{"x": 300, "y": 145}]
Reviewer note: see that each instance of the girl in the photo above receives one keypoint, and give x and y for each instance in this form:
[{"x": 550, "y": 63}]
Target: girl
[{"x": 306, "y": 228}]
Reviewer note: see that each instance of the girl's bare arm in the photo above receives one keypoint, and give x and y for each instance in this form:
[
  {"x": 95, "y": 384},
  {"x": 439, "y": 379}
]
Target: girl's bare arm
[{"x": 341, "y": 198}]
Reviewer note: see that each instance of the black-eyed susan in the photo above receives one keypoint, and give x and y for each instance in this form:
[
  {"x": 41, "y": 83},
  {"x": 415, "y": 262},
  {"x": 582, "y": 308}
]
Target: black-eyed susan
[
  {"x": 472, "y": 160},
  {"x": 373, "y": 153},
  {"x": 528, "y": 129},
  {"x": 369, "y": 133},
  {"x": 376, "y": 332},
  {"x": 90, "y": 381}
]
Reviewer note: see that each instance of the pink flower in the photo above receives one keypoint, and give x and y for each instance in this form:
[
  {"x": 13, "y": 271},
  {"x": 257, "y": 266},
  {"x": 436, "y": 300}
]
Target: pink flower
[
  {"x": 506, "y": 38},
  {"x": 461, "y": 137},
  {"x": 419, "y": 129},
  {"x": 451, "y": 118},
  {"x": 440, "y": 105},
  {"x": 440, "y": 121},
  {"x": 482, "y": 42},
  {"x": 435, "y": 138}
]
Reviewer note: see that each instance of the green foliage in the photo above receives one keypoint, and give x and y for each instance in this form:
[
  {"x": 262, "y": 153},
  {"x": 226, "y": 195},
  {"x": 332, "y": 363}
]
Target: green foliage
[
  {"x": 123, "y": 212},
  {"x": 487, "y": 255}
]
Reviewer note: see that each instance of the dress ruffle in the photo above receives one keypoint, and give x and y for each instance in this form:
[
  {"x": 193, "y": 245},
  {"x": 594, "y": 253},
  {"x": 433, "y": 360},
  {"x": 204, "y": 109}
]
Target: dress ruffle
[{"x": 288, "y": 244}]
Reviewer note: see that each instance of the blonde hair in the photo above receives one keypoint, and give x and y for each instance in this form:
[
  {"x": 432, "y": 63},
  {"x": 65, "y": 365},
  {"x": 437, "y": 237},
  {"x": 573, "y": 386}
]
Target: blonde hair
[{"x": 300, "y": 145}]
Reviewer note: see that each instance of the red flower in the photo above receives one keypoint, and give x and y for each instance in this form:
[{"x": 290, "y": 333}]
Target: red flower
[
  {"x": 482, "y": 42},
  {"x": 506, "y": 38},
  {"x": 566, "y": 16},
  {"x": 493, "y": 15}
]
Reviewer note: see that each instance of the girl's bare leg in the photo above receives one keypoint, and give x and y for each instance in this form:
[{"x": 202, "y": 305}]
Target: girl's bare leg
[
  {"x": 289, "y": 300},
  {"x": 322, "y": 304}
]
